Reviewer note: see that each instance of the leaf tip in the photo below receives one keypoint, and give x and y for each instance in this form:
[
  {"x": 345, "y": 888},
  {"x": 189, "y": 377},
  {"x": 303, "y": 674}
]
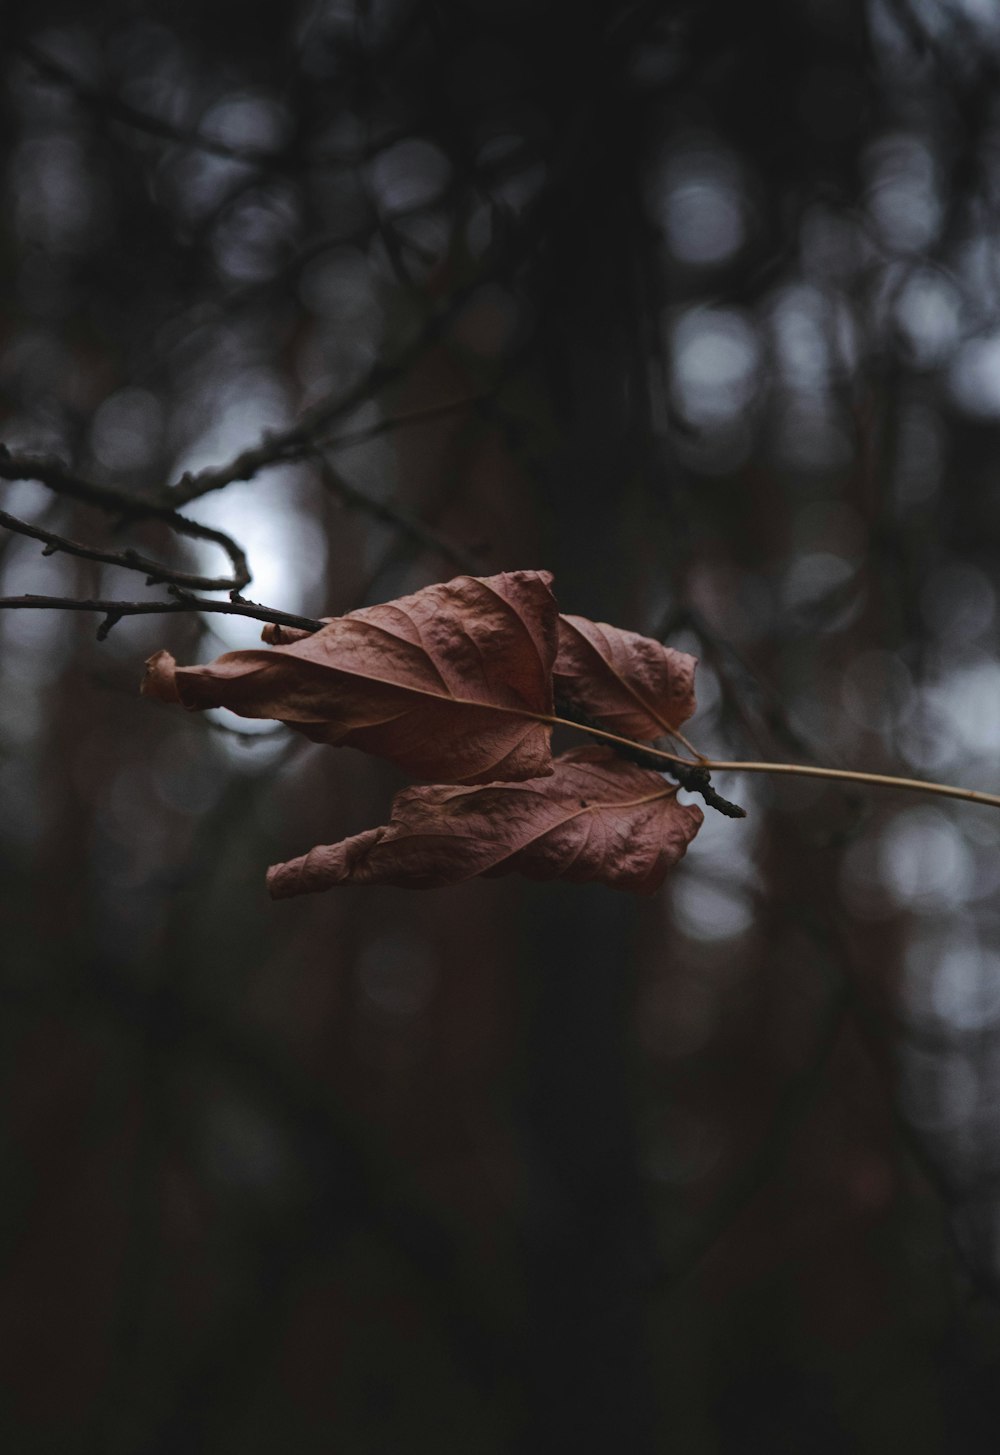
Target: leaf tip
[
  {"x": 160, "y": 680},
  {"x": 280, "y": 882}
]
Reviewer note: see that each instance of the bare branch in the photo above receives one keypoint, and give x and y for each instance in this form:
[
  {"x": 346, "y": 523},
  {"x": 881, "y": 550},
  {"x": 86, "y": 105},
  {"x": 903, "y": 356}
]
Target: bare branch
[
  {"x": 154, "y": 571},
  {"x": 277, "y": 447},
  {"x": 54, "y": 474},
  {"x": 294, "y": 444},
  {"x": 51, "y": 471},
  {"x": 113, "y": 611},
  {"x": 113, "y": 108},
  {"x": 398, "y": 421},
  {"x": 282, "y": 447},
  {"x": 395, "y": 515}
]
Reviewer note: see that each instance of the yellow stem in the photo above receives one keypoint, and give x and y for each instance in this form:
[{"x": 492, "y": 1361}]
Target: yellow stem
[
  {"x": 797, "y": 770},
  {"x": 596, "y": 732},
  {"x": 847, "y": 775}
]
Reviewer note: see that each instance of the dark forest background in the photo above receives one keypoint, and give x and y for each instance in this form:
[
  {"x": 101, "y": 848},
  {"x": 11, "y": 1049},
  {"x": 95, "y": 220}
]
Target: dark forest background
[{"x": 697, "y": 305}]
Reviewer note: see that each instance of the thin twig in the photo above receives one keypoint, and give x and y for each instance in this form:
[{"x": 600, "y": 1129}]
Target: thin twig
[
  {"x": 156, "y": 572},
  {"x": 294, "y": 444},
  {"x": 397, "y": 421},
  {"x": 799, "y": 770},
  {"x": 774, "y": 712},
  {"x": 113, "y": 611},
  {"x": 50, "y": 471},
  {"x": 280, "y": 447},
  {"x": 395, "y": 515},
  {"x": 692, "y": 775},
  {"x": 113, "y": 108}
]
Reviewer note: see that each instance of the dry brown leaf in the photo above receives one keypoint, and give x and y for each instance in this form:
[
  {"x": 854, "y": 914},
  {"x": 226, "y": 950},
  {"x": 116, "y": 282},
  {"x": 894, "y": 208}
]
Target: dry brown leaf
[
  {"x": 628, "y": 683},
  {"x": 445, "y": 683},
  {"x": 596, "y": 818}
]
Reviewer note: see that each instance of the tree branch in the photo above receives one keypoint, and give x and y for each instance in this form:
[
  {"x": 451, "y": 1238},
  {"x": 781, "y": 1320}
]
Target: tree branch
[
  {"x": 155, "y": 572},
  {"x": 113, "y": 108},
  {"x": 395, "y": 515},
  {"x": 61, "y": 480},
  {"x": 282, "y": 447},
  {"x": 113, "y": 611},
  {"x": 398, "y": 421},
  {"x": 695, "y": 777}
]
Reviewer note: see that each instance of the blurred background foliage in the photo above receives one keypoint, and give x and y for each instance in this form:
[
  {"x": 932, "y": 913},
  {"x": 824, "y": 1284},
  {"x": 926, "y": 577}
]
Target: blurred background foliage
[{"x": 697, "y": 304}]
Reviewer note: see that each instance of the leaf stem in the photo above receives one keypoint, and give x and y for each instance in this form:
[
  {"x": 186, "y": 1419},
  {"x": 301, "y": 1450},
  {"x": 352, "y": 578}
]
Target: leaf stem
[
  {"x": 679, "y": 736},
  {"x": 849, "y": 775},
  {"x": 596, "y": 732},
  {"x": 797, "y": 770}
]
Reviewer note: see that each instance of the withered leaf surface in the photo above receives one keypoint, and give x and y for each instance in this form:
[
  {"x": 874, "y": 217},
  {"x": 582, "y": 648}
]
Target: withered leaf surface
[
  {"x": 630, "y": 684},
  {"x": 443, "y": 683},
  {"x": 596, "y": 818}
]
